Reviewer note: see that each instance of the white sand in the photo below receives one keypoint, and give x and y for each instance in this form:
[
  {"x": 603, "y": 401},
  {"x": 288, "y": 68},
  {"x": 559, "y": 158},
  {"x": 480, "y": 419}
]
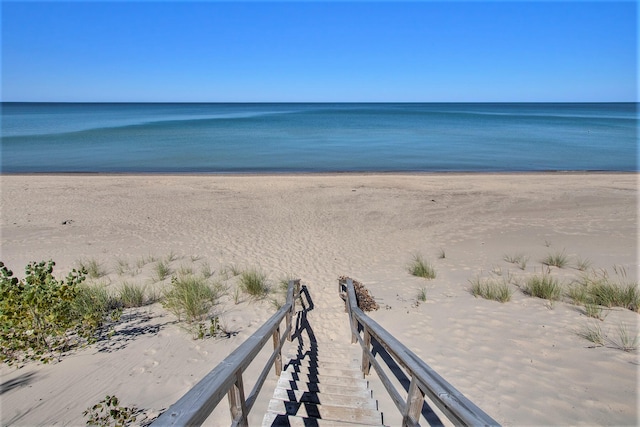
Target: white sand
[{"x": 522, "y": 361}]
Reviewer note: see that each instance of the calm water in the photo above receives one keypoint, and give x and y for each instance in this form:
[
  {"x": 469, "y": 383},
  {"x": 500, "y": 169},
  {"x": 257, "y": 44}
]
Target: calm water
[{"x": 317, "y": 137}]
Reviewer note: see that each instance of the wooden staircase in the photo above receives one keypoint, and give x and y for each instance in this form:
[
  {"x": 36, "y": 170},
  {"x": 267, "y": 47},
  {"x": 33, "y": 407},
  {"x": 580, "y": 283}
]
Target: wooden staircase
[{"x": 322, "y": 384}]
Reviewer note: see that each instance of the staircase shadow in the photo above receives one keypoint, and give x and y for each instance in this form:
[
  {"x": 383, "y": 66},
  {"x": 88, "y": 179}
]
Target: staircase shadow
[
  {"x": 427, "y": 412},
  {"x": 307, "y": 350}
]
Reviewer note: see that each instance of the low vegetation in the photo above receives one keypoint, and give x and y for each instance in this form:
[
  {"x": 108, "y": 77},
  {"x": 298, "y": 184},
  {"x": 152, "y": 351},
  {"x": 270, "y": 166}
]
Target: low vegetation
[
  {"x": 108, "y": 412},
  {"x": 254, "y": 283},
  {"x": 598, "y": 288},
  {"x": 421, "y": 268},
  {"x": 42, "y": 316},
  {"x": 192, "y": 297},
  {"x": 491, "y": 289},
  {"x": 543, "y": 286},
  {"x": 556, "y": 259}
]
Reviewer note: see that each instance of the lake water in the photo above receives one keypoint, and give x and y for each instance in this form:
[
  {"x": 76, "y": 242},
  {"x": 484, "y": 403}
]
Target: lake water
[{"x": 262, "y": 137}]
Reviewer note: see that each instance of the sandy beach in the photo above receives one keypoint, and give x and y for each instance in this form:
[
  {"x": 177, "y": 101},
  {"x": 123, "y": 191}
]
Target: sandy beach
[{"x": 523, "y": 362}]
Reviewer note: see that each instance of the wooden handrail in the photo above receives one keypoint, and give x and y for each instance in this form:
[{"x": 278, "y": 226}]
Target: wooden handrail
[
  {"x": 424, "y": 380},
  {"x": 196, "y": 405}
]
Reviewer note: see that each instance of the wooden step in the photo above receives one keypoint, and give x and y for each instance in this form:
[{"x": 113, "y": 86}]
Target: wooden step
[
  {"x": 326, "y": 356},
  {"x": 325, "y": 398},
  {"x": 326, "y": 412},
  {"x": 313, "y": 370},
  {"x": 361, "y": 391},
  {"x": 271, "y": 419},
  {"x": 330, "y": 364},
  {"x": 322, "y": 379}
]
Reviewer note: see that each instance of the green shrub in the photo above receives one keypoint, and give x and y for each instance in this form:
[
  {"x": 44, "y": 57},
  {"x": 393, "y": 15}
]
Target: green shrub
[
  {"x": 254, "y": 283},
  {"x": 192, "y": 297},
  {"x": 108, "y": 413},
  {"x": 41, "y": 315},
  {"x": 93, "y": 268},
  {"x": 544, "y": 286},
  {"x": 421, "y": 268}
]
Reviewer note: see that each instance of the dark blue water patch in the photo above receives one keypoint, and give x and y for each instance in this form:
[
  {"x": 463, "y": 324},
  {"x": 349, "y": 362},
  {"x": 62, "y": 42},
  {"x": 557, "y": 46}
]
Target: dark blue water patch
[{"x": 317, "y": 137}]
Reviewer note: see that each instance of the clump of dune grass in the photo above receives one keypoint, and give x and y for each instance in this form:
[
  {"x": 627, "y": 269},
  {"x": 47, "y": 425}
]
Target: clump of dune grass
[
  {"x": 421, "y": 268},
  {"x": 254, "y": 283},
  {"x": 171, "y": 256},
  {"x": 185, "y": 269},
  {"x": 205, "y": 270},
  {"x": 600, "y": 289},
  {"x": 162, "y": 271},
  {"x": 422, "y": 295},
  {"x": 518, "y": 259},
  {"x": 592, "y": 332},
  {"x": 122, "y": 266},
  {"x": 442, "y": 254},
  {"x": 132, "y": 295},
  {"x": 594, "y": 311},
  {"x": 556, "y": 259},
  {"x": 93, "y": 268},
  {"x": 491, "y": 289},
  {"x": 191, "y": 297},
  {"x": 624, "y": 340},
  {"x": 583, "y": 264},
  {"x": 142, "y": 261},
  {"x": 543, "y": 286}
]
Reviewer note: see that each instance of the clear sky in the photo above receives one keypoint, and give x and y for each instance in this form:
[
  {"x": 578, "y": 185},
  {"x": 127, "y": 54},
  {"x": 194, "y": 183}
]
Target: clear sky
[{"x": 319, "y": 51}]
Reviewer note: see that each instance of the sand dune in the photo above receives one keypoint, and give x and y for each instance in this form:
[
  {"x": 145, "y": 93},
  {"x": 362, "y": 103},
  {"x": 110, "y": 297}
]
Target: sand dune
[{"x": 522, "y": 361}]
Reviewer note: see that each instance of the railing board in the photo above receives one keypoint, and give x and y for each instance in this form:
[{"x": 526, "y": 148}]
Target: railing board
[
  {"x": 197, "y": 404},
  {"x": 452, "y": 403}
]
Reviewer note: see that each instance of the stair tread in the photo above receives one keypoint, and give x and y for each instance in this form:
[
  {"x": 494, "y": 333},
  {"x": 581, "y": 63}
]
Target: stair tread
[
  {"x": 325, "y": 398},
  {"x": 351, "y": 390},
  {"x": 344, "y": 373},
  {"x": 272, "y": 419},
  {"x": 322, "y": 379},
  {"x": 326, "y": 412},
  {"x": 333, "y": 364}
]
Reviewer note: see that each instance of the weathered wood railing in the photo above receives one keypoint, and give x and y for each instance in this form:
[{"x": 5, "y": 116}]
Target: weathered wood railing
[
  {"x": 197, "y": 404},
  {"x": 424, "y": 380}
]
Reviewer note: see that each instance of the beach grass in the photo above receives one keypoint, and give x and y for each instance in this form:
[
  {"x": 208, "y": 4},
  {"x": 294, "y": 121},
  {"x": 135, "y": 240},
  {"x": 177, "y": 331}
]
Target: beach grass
[
  {"x": 93, "y": 267},
  {"x": 491, "y": 289},
  {"x": 161, "y": 271},
  {"x": 556, "y": 259},
  {"x": 191, "y": 297},
  {"x": 132, "y": 295},
  {"x": 206, "y": 270},
  {"x": 583, "y": 264},
  {"x": 593, "y": 332},
  {"x": 254, "y": 283},
  {"x": 601, "y": 289},
  {"x": 421, "y": 268},
  {"x": 624, "y": 340},
  {"x": 543, "y": 286},
  {"x": 422, "y": 294}
]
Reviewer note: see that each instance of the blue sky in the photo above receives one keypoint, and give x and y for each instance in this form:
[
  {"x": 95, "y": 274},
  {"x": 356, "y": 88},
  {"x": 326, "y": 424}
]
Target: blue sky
[{"x": 319, "y": 51}]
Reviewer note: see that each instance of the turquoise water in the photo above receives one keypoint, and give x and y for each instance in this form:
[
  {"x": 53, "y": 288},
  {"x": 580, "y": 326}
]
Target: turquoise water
[{"x": 220, "y": 138}]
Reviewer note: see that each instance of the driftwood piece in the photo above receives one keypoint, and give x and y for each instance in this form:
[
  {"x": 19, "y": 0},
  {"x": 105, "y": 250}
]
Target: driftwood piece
[{"x": 366, "y": 302}]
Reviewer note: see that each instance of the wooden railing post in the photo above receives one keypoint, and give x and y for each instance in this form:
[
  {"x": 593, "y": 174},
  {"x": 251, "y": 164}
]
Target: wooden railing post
[
  {"x": 413, "y": 407},
  {"x": 354, "y": 339},
  {"x": 277, "y": 363},
  {"x": 237, "y": 402},
  {"x": 366, "y": 364}
]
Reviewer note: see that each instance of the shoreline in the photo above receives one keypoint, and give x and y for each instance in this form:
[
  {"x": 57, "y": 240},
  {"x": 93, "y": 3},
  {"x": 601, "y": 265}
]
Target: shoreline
[{"x": 328, "y": 173}]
